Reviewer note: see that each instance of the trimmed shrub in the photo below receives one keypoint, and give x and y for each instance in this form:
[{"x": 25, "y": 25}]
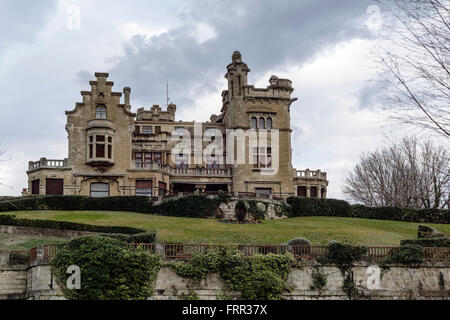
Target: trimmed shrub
[
  {"x": 299, "y": 242},
  {"x": 11, "y": 220},
  {"x": 240, "y": 210},
  {"x": 432, "y": 242}
]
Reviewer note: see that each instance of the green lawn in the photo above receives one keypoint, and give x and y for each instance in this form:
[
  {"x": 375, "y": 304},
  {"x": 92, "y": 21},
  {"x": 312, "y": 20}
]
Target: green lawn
[
  {"x": 25, "y": 242},
  {"x": 319, "y": 230}
]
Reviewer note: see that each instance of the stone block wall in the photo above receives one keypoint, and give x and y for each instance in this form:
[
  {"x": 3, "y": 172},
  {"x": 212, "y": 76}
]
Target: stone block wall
[{"x": 430, "y": 281}]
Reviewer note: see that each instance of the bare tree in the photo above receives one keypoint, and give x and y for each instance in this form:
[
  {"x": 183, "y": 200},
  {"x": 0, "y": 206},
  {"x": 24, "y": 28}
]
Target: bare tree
[
  {"x": 415, "y": 58},
  {"x": 407, "y": 174}
]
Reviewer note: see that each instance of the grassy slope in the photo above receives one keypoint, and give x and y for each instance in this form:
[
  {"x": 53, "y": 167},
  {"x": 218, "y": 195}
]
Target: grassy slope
[
  {"x": 25, "y": 242},
  {"x": 319, "y": 230}
]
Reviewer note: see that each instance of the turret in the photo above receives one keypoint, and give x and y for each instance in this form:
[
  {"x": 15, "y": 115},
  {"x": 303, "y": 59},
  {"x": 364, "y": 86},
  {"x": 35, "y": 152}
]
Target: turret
[{"x": 236, "y": 75}]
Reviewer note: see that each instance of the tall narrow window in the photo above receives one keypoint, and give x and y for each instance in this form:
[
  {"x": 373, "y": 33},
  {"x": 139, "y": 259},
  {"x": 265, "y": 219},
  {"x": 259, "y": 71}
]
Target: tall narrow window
[
  {"x": 239, "y": 85},
  {"x": 262, "y": 123},
  {"x": 269, "y": 123},
  {"x": 253, "y": 123},
  {"x": 100, "y": 112},
  {"x": 157, "y": 156}
]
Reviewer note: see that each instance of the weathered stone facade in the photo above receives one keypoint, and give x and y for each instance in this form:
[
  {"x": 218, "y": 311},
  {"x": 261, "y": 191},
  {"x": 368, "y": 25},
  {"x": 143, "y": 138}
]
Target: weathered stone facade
[{"x": 113, "y": 151}]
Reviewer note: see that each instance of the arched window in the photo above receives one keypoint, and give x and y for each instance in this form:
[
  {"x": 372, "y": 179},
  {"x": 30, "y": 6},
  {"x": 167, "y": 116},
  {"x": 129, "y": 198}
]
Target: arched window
[
  {"x": 253, "y": 122},
  {"x": 269, "y": 123},
  {"x": 100, "y": 111},
  {"x": 262, "y": 123}
]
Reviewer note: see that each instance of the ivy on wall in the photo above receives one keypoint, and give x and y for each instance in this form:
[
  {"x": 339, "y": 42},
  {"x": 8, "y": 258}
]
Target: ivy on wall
[
  {"x": 109, "y": 271},
  {"x": 257, "y": 277}
]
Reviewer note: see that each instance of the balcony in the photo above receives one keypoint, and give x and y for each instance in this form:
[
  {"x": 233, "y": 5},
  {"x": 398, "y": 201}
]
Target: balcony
[
  {"x": 150, "y": 166},
  {"x": 180, "y": 172},
  {"x": 308, "y": 174},
  {"x": 45, "y": 163}
]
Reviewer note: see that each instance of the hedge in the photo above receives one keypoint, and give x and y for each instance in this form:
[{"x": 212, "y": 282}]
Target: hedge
[
  {"x": 301, "y": 206},
  {"x": 433, "y": 242},
  {"x": 11, "y": 220},
  {"x": 193, "y": 206},
  {"x": 144, "y": 237},
  {"x": 118, "y": 203},
  {"x": 401, "y": 214}
]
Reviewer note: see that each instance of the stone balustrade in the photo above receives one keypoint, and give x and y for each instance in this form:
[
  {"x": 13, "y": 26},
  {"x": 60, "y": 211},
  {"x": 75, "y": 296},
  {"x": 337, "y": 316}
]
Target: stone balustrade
[
  {"x": 48, "y": 163},
  {"x": 310, "y": 174}
]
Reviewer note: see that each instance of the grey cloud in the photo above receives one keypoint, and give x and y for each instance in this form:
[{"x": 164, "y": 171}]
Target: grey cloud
[
  {"x": 372, "y": 95},
  {"x": 269, "y": 34},
  {"x": 21, "y": 18}
]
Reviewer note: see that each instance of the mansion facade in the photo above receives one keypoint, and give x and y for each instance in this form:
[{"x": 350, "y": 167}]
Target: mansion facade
[{"x": 114, "y": 151}]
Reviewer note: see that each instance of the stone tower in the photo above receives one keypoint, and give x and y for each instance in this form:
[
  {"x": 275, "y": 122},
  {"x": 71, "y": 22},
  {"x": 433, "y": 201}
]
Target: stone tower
[{"x": 262, "y": 111}]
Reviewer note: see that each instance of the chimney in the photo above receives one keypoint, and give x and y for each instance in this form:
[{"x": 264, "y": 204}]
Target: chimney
[{"x": 126, "y": 92}]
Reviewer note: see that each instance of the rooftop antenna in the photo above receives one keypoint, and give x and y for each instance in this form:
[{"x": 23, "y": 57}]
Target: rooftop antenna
[{"x": 167, "y": 93}]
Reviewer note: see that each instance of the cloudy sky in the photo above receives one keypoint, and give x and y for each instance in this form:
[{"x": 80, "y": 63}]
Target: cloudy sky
[{"x": 50, "y": 49}]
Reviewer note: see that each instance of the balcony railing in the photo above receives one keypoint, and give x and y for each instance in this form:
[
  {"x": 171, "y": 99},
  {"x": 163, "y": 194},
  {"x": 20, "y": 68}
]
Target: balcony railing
[
  {"x": 201, "y": 171},
  {"x": 138, "y": 165},
  {"x": 308, "y": 174},
  {"x": 48, "y": 163}
]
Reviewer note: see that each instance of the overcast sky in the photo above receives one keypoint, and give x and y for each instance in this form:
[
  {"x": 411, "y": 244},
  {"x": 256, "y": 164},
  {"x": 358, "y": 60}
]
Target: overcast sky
[{"x": 48, "y": 54}]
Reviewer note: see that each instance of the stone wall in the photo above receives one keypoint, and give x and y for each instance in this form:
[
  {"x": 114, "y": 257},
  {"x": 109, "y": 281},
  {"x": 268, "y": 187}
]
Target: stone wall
[
  {"x": 429, "y": 281},
  {"x": 13, "y": 282}
]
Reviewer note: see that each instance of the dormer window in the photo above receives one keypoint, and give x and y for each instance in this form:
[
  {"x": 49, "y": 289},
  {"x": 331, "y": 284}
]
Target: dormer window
[{"x": 100, "y": 112}]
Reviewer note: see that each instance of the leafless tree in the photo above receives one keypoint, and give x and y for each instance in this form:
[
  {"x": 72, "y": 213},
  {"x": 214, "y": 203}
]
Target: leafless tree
[
  {"x": 408, "y": 174},
  {"x": 414, "y": 52}
]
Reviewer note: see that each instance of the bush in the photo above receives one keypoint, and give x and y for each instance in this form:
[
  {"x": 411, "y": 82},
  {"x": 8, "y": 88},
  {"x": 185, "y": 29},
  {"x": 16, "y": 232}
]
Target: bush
[
  {"x": 299, "y": 242},
  {"x": 11, "y": 220},
  {"x": 432, "y": 242},
  {"x": 240, "y": 210},
  {"x": 343, "y": 255},
  {"x": 254, "y": 211},
  {"x": 109, "y": 271},
  {"x": 119, "y": 203},
  {"x": 409, "y": 255},
  {"x": 18, "y": 257}
]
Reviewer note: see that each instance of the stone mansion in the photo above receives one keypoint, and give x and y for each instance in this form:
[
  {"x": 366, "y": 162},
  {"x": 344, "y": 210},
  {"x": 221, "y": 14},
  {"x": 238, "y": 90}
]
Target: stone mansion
[{"x": 114, "y": 151}]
